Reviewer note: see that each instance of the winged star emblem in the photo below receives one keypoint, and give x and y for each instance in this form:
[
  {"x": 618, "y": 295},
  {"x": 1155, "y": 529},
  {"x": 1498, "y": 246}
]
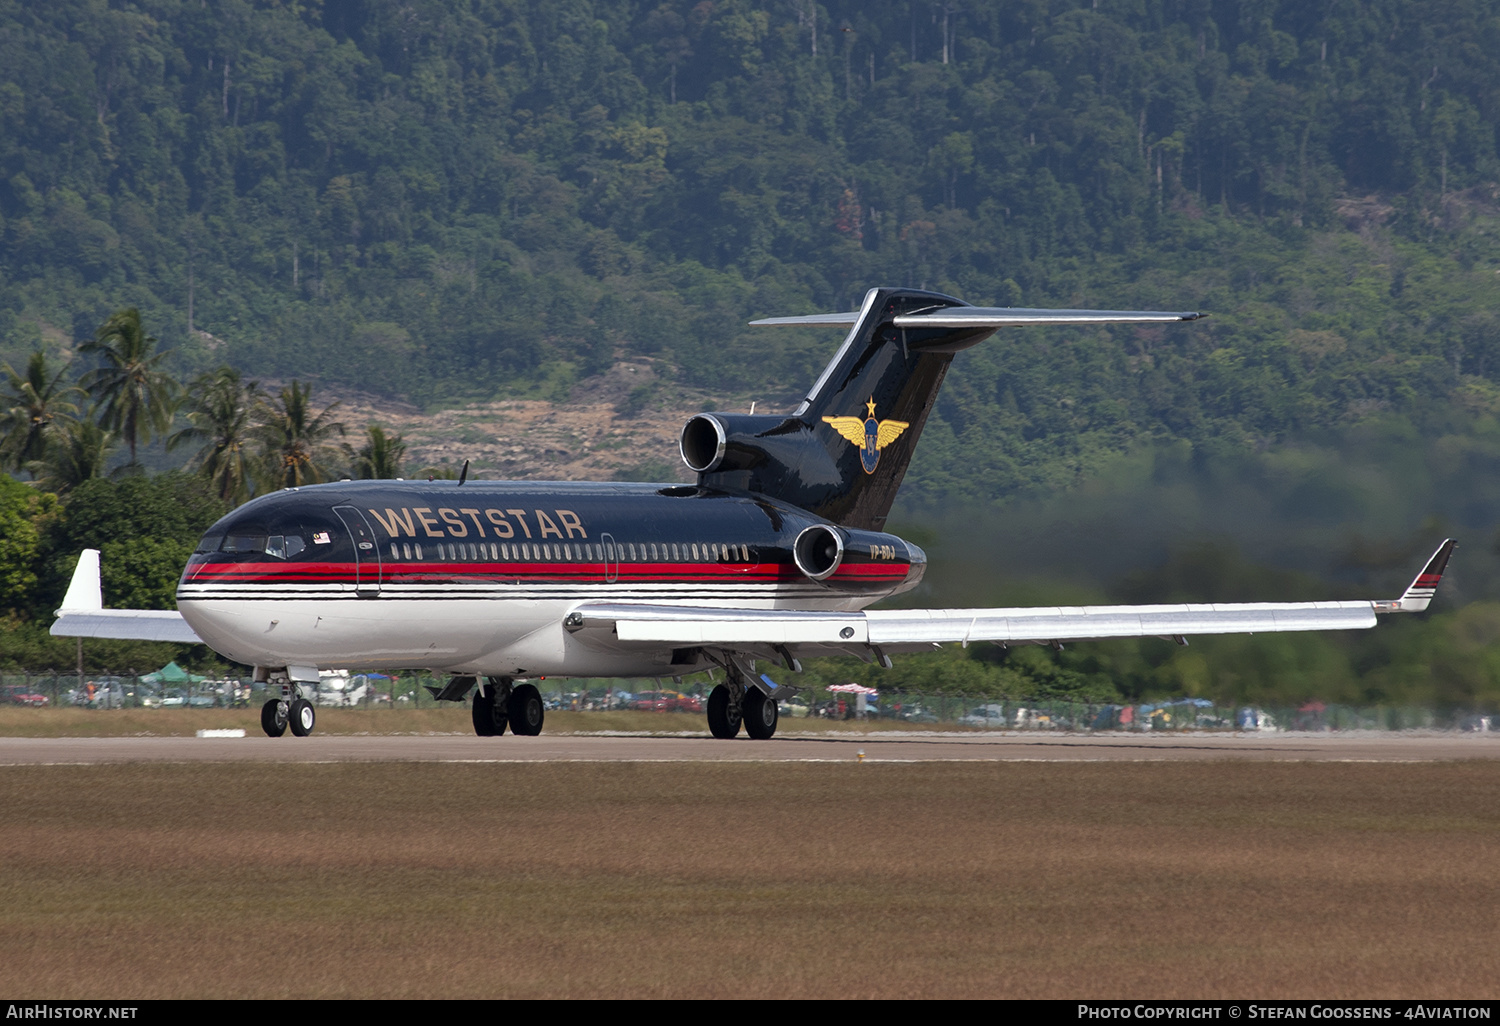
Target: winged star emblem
[{"x": 869, "y": 434}]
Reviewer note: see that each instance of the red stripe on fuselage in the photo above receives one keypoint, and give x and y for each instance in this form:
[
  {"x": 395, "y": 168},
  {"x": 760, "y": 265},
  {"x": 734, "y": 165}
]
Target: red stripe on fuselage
[{"x": 455, "y": 573}]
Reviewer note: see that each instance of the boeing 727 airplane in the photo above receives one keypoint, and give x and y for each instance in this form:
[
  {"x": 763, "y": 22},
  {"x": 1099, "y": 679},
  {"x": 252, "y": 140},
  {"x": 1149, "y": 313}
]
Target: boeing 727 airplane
[{"x": 773, "y": 554}]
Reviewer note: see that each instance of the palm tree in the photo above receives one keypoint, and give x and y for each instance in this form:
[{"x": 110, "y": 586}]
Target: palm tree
[
  {"x": 82, "y": 452},
  {"x": 136, "y": 398},
  {"x": 380, "y": 456},
  {"x": 299, "y": 445},
  {"x": 221, "y": 415},
  {"x": 38, "y": 404}
]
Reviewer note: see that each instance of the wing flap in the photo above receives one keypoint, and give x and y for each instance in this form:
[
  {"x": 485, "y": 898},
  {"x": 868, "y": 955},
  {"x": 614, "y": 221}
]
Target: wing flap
[
  {"x": 688, "y": 625},
  {"x": 683, "y": 626},
  {"x": 1087, "y": 623}
]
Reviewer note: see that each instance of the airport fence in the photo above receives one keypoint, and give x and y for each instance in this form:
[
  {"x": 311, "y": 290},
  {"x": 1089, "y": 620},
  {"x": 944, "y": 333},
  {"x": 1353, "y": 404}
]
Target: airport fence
[{"x": 415, "y": 691}]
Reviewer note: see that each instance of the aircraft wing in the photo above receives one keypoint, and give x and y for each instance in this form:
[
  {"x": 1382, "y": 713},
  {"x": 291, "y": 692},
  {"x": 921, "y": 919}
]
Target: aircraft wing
[
  {"x": 83, "y": 615},
  {"x": 907, "y": 629}
]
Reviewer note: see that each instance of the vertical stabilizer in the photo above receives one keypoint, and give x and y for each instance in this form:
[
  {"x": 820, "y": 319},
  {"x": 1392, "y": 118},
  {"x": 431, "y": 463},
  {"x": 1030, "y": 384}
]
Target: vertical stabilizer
[{"x": 843, "y": 452}]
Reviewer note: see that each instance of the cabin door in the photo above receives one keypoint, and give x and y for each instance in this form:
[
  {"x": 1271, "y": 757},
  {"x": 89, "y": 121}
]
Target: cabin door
[{"x": 366, "y": 551}]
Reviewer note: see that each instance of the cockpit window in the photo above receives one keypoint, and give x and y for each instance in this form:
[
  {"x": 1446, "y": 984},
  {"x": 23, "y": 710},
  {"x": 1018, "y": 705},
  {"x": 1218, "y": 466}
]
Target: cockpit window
[
  {"x": 284, "y": 546},
  {"x": 210, "y": 542},
  {"x": 281, "y": 546}
]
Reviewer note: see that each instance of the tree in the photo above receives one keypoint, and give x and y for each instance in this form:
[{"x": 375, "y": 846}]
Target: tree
[
  {"x": 381, "y": 455},
  {"x": 80, "y": 454},
  {"x": 145, "y": 527},
  {"x": 21, "y": 509},
  {"x": 221, "y": 414},
  {"x": 137, "y": 399},
  {"x": 298, "y": 445},
  {"x": 38, "y": 404}
]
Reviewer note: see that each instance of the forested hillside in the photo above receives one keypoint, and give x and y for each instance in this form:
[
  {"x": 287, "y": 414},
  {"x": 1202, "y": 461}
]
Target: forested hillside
[
  {"x": 450, "y": 199},
  {"x": 445, "y": 200}
]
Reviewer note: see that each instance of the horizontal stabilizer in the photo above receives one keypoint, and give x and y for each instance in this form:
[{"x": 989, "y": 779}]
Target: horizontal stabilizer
[
  {"x": 993, "y": 317},
  {"x": 1012, "y": 317},
  {"x": 814, "y": 319}
]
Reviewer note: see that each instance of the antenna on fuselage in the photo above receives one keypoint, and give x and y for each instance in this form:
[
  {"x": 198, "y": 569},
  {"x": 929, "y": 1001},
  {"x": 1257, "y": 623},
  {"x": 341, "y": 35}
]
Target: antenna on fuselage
[{"x": 463, "y": 475}]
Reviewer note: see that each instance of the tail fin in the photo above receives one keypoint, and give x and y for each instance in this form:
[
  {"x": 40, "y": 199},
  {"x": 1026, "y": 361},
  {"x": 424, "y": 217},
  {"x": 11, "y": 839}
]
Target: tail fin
[{"x": 869, "y": 406}]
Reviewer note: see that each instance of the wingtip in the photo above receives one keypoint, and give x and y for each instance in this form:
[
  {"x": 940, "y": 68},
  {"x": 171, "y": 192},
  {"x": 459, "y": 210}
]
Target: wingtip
[
  {"x": 1419, "y": 594},
  {"x": 84, "y": 591}
]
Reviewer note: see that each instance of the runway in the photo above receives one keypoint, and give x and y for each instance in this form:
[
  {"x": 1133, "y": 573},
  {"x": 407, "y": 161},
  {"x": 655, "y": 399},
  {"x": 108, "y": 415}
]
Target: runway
[{"x": 884, "y": 747}]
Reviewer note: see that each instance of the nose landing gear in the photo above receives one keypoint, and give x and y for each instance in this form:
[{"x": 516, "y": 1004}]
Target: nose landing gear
[
  {"x": 288, "y": 709},
  {"x": 302, "y": 717}
]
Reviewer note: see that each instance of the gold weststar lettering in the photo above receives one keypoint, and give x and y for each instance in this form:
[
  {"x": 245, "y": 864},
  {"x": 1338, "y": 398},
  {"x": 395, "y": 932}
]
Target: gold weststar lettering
[{"x": 404, "y": 522}]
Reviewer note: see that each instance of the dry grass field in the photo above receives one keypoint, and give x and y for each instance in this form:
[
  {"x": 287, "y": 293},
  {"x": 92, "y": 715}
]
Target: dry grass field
[
  {"x": 693, "y": 880},
  {"x": 450, "y": 719}
]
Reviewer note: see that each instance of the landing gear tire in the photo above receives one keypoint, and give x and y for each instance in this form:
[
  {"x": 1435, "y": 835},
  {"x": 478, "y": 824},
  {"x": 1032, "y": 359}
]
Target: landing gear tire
[
  {"x": 273, "y": 717},
  {"x": 724, "y": 715},
  {"x": 302, "y": 717},
  {"x": 761, "y": 714},
  {"x": 526, "y": 711},
  {"x": 489, "y": 715}
]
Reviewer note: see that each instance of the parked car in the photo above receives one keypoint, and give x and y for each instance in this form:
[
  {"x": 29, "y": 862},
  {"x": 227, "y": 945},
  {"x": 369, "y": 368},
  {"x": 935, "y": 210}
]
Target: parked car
[
  {"x": 106, "y": 693},
  {"x": 665, "y": 701},
  {"x": 992, "y": 715},
  {"x": 19, "y": 694}
]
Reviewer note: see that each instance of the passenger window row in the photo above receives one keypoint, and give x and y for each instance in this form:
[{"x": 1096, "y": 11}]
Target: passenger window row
[{"x": 568, "y": 552}]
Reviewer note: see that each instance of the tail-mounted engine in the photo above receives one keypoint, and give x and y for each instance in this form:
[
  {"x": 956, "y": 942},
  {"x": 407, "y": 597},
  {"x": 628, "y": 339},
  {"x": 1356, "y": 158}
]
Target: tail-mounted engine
[
  {"x": 857, "y": 560},
  {"x": 721, "y": 443},
  {"x": 775, "y": 455}
]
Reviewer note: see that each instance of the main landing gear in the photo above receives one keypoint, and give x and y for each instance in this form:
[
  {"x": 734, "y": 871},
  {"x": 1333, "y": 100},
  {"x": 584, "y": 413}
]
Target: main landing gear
[
  {"x": 289, "y": 710},
  {"x": 500, "y": 703},
  {"x": 736, "y": 702}
]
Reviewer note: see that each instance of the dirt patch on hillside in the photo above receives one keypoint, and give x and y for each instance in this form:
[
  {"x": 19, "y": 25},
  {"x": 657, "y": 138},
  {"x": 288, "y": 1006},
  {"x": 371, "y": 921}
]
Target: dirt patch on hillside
[{"x": 620, "y": 425}]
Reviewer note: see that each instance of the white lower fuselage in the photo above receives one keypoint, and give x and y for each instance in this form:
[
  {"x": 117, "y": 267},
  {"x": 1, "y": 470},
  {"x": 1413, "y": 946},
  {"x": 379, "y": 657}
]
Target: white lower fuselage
[{"x": 519, "y": 636}]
